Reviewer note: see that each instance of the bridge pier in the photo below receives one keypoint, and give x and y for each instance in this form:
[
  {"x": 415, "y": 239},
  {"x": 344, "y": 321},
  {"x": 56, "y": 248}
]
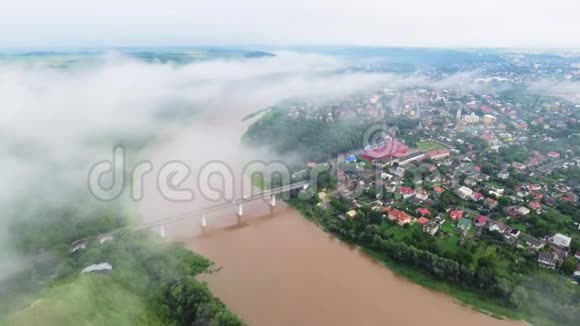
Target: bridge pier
[
  {"x": 162, "y": 231},
  {"x": 273, "y": 200},
  {"x": 240, "y": 210}
]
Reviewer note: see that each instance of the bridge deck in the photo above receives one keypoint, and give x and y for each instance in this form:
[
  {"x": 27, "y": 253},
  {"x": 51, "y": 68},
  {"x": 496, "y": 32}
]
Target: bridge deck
[{"x": 223, "y": 205}]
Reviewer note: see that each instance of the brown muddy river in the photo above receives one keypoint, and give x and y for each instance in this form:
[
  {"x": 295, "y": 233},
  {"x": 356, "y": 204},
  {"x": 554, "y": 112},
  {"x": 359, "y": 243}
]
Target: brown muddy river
[{"x": 275, "y": 267}]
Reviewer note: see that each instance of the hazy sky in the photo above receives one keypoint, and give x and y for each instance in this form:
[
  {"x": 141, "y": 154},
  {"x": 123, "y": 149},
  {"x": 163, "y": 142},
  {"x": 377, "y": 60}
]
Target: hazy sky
[{"x": 470, "y": 23}]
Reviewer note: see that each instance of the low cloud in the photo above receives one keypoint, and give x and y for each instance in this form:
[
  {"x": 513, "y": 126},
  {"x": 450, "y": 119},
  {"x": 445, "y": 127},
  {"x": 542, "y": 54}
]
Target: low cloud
[
  {"x": 57, "y": 122},
  {"x": 566, "y": 88}
]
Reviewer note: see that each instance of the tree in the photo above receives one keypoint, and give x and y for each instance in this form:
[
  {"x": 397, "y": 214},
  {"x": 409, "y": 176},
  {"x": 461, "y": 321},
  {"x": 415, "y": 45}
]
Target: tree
[{"x": 519, "y": 296}]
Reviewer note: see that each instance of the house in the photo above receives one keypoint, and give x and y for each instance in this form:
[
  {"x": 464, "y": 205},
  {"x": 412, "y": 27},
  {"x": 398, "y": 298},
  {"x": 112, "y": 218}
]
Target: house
[
  {"x": 550, "y": 201},
  {"x": 423, "y": 211},
  {"x": 561, "y": 240},
  {"x": 572, "y": 196},
  {"x": 351, "y": 214},
  {"x": 554, "y": 154},
  {"x": 78, "y": 245},
  {"x": 535, "y": 187},
  {"x": 503, "y": 175},
  {"x": 433, "y": 178},
  {"x": 514, "y": 233},
  {"x": 548, "y": 259},
  {"x": 535, "y": 205},
  {"x": 439, "y": 190},
  {"x": 431, "y": 228},
  {"x": 398, "y": 171},
  {"x": 562, "y": 254},
  {"x": 498, "y": 226},
  {"x": 407, "y": 192},
  {"x": 523, "y": 210},
  {"x": 400, "y": 217},
  {"x": 464, "y": 192},
  {"x": 577, "y": 255},
  {"x": 104, "y": 238},
  {"x": 491, "y": 203},
  {"x": 519, "y": 166},
  {"x": 386, "y": 176},
  {"x": 456, "y": 214},
  {"x": 476, "y": 196},
  {"x": 496, "y": 192},
  {"x": 561, "y": 188},
  {"x": 422, "y": 195},
  {"x": 422, "y": 220},
  {"x": 533, "y": 243},
  {"x": 512, "y": 211},
  {"x": 489, "y": 119},
  {"x": 392, "y": 187},
  {"x": 576, "y": 274},
  {"x": 464, "y": 224},
  {"x": 481, "y": 220}
]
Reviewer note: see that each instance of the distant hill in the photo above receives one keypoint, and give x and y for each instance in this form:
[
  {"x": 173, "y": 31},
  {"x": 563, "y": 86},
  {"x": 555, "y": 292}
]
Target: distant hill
[
  {"x": 259, "y": 54},
  {"x": 176, "y": 55}
]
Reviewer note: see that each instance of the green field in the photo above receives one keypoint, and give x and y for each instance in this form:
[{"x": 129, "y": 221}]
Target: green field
[
  {"x": 429, "y": 145},
  {"x": 86, "y": 300}
]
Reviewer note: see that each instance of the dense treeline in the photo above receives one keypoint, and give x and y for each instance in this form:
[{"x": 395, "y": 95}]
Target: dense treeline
[
  {"x": 312, "y": 139},
  {"x": 43, "y": 228},
  {"x": 319, "y": 140}
]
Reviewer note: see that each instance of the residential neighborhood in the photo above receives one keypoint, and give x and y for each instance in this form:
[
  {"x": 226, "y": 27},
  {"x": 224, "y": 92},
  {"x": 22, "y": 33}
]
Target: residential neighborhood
[{"x": 460, "y": 167}]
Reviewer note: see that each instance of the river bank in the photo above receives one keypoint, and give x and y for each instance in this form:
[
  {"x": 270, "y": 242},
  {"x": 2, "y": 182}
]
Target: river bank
[{"x": 466, "y": 297}]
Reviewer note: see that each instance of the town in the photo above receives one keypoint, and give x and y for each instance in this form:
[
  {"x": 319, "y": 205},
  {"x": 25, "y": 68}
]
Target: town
[
  {"x": 472, "y": 163},
  {"x": 477, "y": 186}
]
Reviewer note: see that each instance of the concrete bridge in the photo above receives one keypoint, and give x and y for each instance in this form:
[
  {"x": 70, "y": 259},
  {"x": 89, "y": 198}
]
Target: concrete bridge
[{"x": 236, "y": 203}]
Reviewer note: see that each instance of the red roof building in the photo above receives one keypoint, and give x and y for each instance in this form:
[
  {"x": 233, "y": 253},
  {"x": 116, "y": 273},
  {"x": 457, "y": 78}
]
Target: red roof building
[
  {"x": 423, "y": 211},
  {"x": 393, "y": 149},
  {"x": 535, "y": 205},
  {"x": 486, "y": 109},
  {"x": 481, "y": 220},
  {"x": 456, "y": 214},
  {"x": 476, "y": 196},
  {"x": 437, "y": 154},
  {"x": 407, "y": 192},
  {"x": 399, "y": 216},
  {"x": 422, "y": 220},
  {"x": 439, "y": 190}
]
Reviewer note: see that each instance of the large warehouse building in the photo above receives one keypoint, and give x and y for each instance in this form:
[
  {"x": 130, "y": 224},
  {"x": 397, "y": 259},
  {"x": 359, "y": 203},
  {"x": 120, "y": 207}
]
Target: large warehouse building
[{"x": 391, "y": 150}]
